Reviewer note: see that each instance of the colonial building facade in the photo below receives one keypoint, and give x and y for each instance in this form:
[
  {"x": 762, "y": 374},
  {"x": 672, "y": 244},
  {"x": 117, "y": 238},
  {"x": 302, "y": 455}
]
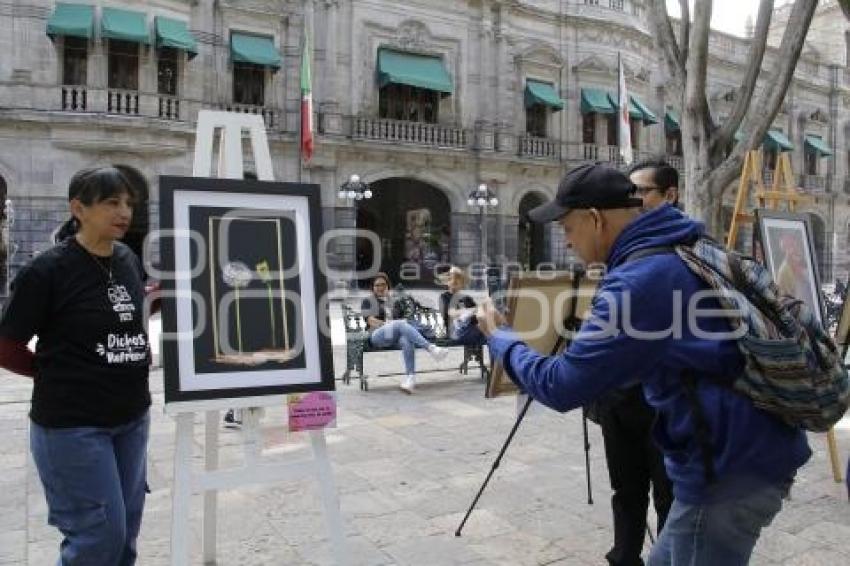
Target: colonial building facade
[{"x": 423, "y": 99}]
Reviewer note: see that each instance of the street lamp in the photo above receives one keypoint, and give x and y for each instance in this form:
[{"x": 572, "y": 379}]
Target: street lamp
[
  {"x": 354, "y": 190},
  {"x": 483, "y": 198}
]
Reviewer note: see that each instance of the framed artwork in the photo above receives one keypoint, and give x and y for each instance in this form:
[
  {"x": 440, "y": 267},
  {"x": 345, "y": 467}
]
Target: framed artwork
[
  {"x": 241, "y": 289},
  {"x": 785, "y": 243},
  {"x": 842, "y": 332},
  {"x": 542, "y": 308}
]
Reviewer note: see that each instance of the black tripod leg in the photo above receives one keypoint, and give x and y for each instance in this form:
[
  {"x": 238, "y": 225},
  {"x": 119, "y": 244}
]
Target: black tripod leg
[
  {"x": 586, "y": 455},
  {"x": 495, "y": 464}
]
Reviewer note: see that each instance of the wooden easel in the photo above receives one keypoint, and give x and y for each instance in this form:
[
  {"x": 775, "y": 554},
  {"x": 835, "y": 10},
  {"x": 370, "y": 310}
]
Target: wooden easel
[
  {"x": 782, "y": 191},
  {"x": 187, "y": 479}
]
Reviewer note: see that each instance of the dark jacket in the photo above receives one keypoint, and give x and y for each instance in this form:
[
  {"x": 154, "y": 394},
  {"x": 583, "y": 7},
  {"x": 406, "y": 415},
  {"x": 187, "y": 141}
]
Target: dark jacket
[
  {"x": 750, "y": 446},
  {"x": 373, "y": 306}
]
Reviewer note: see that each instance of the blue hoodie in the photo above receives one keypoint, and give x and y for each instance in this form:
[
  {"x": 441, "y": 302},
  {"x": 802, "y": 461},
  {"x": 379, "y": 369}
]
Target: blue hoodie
[{"x": 750, "y": 447}]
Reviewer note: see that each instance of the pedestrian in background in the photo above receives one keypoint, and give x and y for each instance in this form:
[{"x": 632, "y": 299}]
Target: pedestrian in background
[{"x": 388, "y": 329}]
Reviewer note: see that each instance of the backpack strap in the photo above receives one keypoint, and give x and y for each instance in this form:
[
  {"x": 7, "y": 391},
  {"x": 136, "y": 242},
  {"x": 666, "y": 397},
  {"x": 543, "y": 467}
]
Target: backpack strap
[
  {"x": 646, "y": 252},
  {"x": 702, "y": 434}
]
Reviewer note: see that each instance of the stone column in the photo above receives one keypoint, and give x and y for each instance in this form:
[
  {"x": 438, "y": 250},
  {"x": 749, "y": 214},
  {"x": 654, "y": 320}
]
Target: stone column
[{"x": 329, "y": 106}]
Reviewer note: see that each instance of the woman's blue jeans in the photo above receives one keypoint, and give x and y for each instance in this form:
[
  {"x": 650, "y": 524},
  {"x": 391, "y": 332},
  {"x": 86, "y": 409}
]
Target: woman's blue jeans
[
  {"x": 718, "y": 533},
  {"x": 402, "y": 334},
  {"x": 94, "y": 482}
]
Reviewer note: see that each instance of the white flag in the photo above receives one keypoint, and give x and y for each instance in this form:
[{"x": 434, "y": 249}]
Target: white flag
[{"x": 624, "y": 132}]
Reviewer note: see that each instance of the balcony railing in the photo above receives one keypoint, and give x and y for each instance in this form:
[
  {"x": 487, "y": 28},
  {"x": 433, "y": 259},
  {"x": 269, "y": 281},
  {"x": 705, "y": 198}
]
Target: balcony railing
[
  {"x": 169, "y": 107},
  {"x": 269, "y": 114},
  {"x": 532, "y": 146},
  {"x": 122, "y": 101},
  {"x": 813, "y": 182},
  {"x": 74, "y": 98},
  {"x": 419, "y": 133}
]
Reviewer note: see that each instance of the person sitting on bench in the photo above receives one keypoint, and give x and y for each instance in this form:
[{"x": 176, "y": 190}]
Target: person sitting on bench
[
  {"x": 458, "y": 310},
  {"x": 388, "y": 329}
]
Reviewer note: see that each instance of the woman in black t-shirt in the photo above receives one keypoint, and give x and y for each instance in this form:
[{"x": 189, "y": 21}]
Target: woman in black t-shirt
[
  {"x": 387, "y": 329},
  {"x": 84, "y": 301}
]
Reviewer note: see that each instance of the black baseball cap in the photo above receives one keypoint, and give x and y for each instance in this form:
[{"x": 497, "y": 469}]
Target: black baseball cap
[{"x": 592, "y": 185}]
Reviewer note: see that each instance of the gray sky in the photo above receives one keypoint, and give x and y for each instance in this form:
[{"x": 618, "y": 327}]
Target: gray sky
[{"x": 727, "y": 15}]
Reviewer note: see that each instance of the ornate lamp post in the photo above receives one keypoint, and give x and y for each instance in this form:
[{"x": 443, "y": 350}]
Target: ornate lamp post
[
  {"x": 483, "y": 198},
  {"x": 354, "y": 190}
]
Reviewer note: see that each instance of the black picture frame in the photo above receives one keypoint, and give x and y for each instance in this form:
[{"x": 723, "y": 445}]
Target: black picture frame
[
  {"x": 266, "y": 374},
  {"x": 767, "y": 249}
]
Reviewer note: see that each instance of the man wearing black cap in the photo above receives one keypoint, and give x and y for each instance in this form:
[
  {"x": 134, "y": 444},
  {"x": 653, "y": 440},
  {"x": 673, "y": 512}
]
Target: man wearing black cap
[
  {"x": 634, "y": 461},
  {"x": 639, "y": 331}
]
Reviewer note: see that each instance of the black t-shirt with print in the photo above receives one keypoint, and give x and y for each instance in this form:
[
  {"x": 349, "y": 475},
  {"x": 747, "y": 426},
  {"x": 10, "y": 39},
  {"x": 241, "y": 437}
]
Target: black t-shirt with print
[{"x": 92, "y": 355}]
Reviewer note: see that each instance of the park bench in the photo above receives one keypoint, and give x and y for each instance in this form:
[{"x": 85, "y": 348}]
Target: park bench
[{"x": 431, "y": 324}]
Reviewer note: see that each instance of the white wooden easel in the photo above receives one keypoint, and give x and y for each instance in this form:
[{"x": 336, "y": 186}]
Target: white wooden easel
[{"x": 255, "y": 470}]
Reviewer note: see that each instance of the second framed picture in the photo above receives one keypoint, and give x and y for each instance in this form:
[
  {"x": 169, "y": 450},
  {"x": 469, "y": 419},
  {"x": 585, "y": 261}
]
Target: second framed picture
[{"x": 784, "y": 243}]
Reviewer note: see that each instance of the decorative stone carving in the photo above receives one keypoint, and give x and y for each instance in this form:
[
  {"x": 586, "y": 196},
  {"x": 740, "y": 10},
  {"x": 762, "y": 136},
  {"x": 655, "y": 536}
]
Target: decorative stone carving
[
  {"x": 412, "y": 34},
  {"x": 819, "y": 116},
  {"x": 593, "y": 63}
]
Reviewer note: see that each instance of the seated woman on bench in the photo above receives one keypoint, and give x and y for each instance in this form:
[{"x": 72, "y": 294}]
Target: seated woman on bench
[
  {"x": 388, "y": 329},
  {"x": 458, "y": 310}
]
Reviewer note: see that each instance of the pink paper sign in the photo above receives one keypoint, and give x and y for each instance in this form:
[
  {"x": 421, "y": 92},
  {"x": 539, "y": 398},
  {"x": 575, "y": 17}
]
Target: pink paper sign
[{"x": 311, "y": 411}]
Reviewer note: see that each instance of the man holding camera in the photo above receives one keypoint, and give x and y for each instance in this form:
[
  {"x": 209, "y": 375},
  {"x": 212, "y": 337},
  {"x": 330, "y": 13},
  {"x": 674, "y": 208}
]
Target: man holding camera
[{"x": 723, "y": 496}]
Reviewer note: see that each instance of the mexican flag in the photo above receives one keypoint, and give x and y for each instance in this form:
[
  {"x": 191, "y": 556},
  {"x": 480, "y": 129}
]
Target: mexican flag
[{"x": 306, "y": 103}]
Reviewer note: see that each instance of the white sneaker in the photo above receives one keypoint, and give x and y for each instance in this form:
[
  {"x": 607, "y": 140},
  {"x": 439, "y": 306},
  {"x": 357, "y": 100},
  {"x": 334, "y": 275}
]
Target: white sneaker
[
  {"x": 408, "y": 384},
  {"x": 437, "y": 352}
]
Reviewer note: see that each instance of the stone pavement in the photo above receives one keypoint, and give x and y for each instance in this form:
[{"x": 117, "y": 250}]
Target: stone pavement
[{"x": 407, "y": 468}]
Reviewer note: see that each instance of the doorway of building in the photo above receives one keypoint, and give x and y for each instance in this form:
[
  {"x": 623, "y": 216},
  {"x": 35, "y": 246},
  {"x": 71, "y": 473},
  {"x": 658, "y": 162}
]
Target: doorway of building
[
  {"x": 531, "y": 236},
  {"x": 412, "y": 221}
]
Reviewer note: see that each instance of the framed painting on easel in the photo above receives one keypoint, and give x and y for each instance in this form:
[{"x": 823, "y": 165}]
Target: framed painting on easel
[
  {"x": 544, "y": 310},
  {"x": 252, "y": 326},
  {"x": 785, "y": 242}
]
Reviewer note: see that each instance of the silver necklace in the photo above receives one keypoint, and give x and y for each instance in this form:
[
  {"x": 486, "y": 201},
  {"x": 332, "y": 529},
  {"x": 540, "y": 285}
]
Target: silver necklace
[{"x": 107, "y": 271}]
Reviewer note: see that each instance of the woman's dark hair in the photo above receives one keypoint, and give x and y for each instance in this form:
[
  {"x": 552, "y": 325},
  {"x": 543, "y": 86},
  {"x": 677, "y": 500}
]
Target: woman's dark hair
[{"x": 91, "y": 186}]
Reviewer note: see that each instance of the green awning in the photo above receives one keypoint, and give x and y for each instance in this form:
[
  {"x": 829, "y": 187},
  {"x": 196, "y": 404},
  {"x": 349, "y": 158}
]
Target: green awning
[
  {"x": 774, "y": 139},
  {"x": 176, "y": 34},
  {"x": 412, "y": 69},
  {"x": 634, "y": 111},
  {"x": 819, "y": 146},
  {"x": 537, "y": 92},
  {"x": 256, "y": 49},
  {"x": 125, "y": 25},
  {"x": 72, "y": 20},
  {"x": 596, "y": 100},
  {"x": 671, "y": 121},
  {"x": 647, "y": 115}
]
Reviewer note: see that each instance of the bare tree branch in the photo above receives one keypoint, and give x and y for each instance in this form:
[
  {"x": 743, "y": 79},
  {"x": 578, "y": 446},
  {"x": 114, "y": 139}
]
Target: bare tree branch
[
  {"x": 759, "y": 43},
  {"x": 696, "y": 68},
  {"x": 684, "y": 30},
  {"x": 766, "y": 106},
  {"x": 667, "y": 39}
]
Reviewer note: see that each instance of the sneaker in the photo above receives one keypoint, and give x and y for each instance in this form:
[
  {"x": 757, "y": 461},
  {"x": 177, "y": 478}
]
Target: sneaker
[
  {"x": 438, "y": 352},
  {"x": 230, "y": 420},
  {"x": 408, "y": 384}
]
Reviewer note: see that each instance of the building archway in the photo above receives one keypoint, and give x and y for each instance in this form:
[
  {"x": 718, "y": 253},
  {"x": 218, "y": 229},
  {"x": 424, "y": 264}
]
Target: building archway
[
  {"x": 140, "y": 225},
  {"x": 531, "y": 239},
  {"x": 412, "y": 220}
]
